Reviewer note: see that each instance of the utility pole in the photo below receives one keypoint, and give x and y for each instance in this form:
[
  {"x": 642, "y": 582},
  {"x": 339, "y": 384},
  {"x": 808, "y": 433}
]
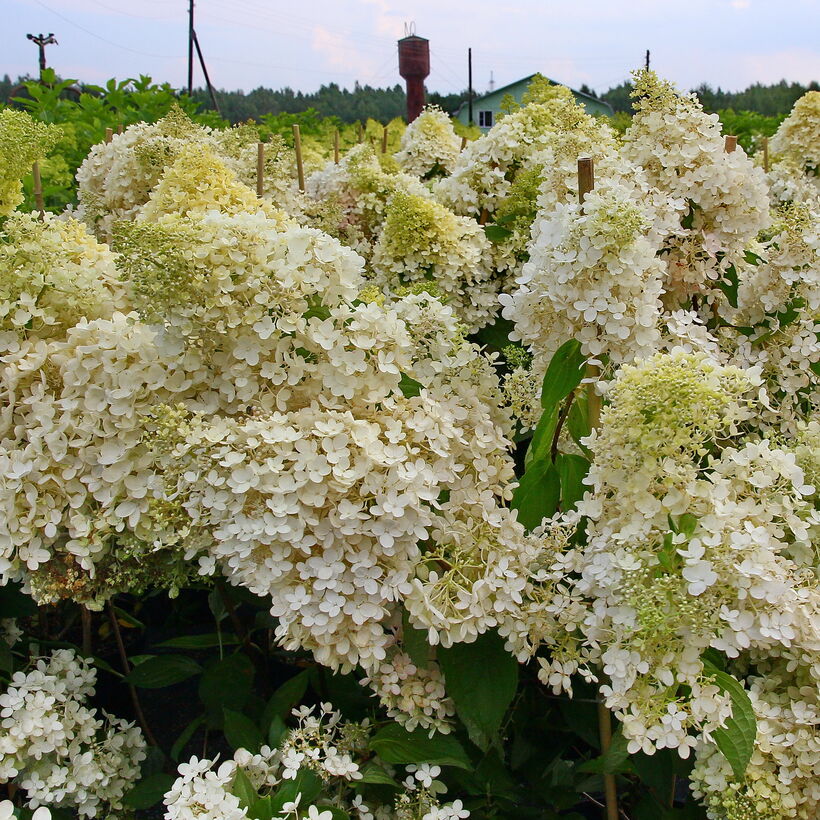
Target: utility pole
[
  {"x": 191, "y": 37},
  {"x": 193, "y": 43},
  {"x": 207, "y": 78},
  {"x": 647, "y": 59},
  {"x": 41, "y": 41},
  {"x": 470, "y": 85}
]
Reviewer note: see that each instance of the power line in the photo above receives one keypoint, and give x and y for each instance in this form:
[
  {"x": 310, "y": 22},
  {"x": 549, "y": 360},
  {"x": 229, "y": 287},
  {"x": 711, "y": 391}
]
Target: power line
[{"x": 104, "y": 40}]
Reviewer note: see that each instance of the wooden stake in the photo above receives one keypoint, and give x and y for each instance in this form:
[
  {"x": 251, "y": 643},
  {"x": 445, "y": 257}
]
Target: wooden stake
[
  {"x": 359, "y": 132},
  {"x": 384, "y": 140},
  {"x": 260, "y": 168},
  {"x": 297, "y": 144},
  {"x": 336, "y": 146},
  {"x": 109, "y": 134},
  {"x": 38, "y": 190},
  {"x": 120, "y": 128},
  {"x": 729, "y": 144},
  {"x": 463, "y": 143},
  {"x": 766, "y": 154},
  {"x": 586, "y": 183}
]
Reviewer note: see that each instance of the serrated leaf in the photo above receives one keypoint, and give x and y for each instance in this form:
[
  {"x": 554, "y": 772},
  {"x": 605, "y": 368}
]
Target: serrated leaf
[
  {"x": 564, "y": 374},
  {"x": 149, "y": 791},
  {"x": 481, "y": 700},
  {"x": 163, "y": 670},
  {"x": 393, "y": 744},
  {"x": 736, "y": 740},
  {"x": 537, "y": 494},
  {"x": 240, "y": 731}
]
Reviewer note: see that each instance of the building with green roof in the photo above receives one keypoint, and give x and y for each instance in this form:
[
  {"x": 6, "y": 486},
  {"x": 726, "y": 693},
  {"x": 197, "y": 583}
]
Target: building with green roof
[{"x": 487, "y": 107}]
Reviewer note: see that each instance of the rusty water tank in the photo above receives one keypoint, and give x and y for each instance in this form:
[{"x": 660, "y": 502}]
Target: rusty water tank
[{"x": 414, "y": 66}]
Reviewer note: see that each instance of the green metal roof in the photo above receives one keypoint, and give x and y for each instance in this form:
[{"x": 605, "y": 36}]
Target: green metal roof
[{"x": 527, "y": 80}]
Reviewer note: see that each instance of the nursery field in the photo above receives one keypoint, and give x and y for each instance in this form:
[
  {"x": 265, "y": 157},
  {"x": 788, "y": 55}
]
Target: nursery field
[{"x": 380, "y": 471}]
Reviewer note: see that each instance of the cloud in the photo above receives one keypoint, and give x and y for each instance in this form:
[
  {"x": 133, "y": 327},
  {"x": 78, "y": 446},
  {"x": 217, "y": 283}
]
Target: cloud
[
  {"x": 388, "y": 22},
  {"x": 340, "y": 53},
  {"x": 794, "y": 64},
  {"x": 740, "y": 5}
]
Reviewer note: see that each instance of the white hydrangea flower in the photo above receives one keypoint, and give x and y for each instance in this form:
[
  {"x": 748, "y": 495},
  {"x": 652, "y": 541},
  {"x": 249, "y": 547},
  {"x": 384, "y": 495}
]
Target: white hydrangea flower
[
  {"x": 59, "y": 751},
  {"x": 429, "y": 145}
]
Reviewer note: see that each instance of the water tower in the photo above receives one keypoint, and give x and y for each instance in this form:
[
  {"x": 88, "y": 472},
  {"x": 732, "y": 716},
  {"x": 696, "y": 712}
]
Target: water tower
[{"x": 414, "y": 66}]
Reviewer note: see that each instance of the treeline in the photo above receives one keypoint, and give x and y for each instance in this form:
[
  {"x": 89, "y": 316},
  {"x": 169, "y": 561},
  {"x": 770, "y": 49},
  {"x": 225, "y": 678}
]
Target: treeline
[
  {"x": 384, "y": 104},
  {"x": 358, "y": 104},
  {"x": 768, "y": 100}
]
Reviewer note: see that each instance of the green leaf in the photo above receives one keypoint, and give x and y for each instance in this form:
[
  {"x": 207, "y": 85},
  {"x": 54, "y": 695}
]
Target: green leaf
[
  {"x": 205, "y": 641},
  {"x": 736, "y": 740},
  {"x": 149, "y": 791},
  {"x": 276, "y": 731},
  {"x": 497, "y": 233},
  {"x": 541, "y": 443},
  {"x": 393, "y": 744},
  {"x": 415, "y": 643},
  {"x": 481, "y": 700},
  {"x": 163, "y": 670},
  {"x": 184, "y": 736},
  {"x": 227, "y": 683},
  {"x": 614, "y": 761},
  {"x": 283, "y": 700},
  {"x": 243, "y": 789},
  {"x": 537, "y": 494},
  {"x": 578, "y": 419},
  {"x": 241, "y": 732},
  {"x": 305, "y": 783},
  {"x": 373, "y": 773},
  {"x": 564, "y": 374},
  {"x": 572, "y": 470},
  {"x": 410, "y": 388}
]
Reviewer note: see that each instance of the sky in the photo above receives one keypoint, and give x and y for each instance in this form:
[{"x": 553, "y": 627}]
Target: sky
[{"x": 252, "y": 43}]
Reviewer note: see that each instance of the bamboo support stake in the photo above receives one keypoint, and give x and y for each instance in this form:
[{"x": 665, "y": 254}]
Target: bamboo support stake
[
  {"x": 120, "y": 128},
  {"x": 300, "y": 168},
  {"x": 336, "y": 146},
  {"x": 766, "y": 154},
  {"x": 729, "y": 144},
  {"x": 359, "y": 132},
  {"x": 109, "y": 134},
  {"x": 586, "y": 182},
  {"x": 38, "y": 190},
  {"x": 384, "y": 140},
  {"x": 260, "y": 168},
  {"x": 463, "y": 143}
]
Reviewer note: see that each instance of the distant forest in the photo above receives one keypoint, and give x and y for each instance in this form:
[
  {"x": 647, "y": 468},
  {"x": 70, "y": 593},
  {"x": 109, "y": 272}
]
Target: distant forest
[{"x": 383, "y": 104}]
